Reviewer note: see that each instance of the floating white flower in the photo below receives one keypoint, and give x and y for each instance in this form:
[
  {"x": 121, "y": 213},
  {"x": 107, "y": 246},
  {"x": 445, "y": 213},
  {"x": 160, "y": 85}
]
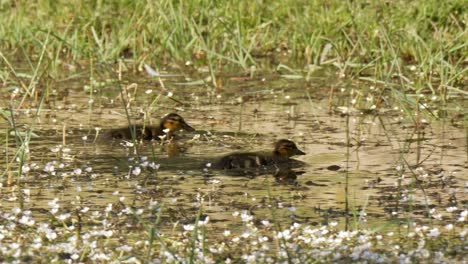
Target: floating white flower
[
  {"x": 154, "y": 165},
  {"x": 25, "y": 168},
  {"x": 189, "y": 227},
  {"x": 136, "y": 171},
  {"x": 434, "y": 232},
  {"x": 49, "y": 168},
  {"x": 451, "y": 209}
]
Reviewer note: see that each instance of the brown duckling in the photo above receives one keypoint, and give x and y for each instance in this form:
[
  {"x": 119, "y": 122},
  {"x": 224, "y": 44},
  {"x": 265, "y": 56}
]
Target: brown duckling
[
  {"x": 166, "y": 128},
  {"x": 284, "y": 149}
]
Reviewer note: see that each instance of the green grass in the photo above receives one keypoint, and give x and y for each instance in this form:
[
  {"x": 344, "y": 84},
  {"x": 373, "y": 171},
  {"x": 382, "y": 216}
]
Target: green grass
[{"x": 366, "y": 37}]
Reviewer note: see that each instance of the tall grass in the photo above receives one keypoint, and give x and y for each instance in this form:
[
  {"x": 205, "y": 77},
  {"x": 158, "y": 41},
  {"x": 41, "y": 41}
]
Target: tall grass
[
  {"x": 406, "y": 50},
  {"x": 428, "y": 34}
]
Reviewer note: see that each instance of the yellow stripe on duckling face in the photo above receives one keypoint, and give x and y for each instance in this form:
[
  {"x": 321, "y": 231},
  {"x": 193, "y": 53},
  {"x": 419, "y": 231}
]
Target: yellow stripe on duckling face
[
  {"x": 285, "y": 151},
  {"x": 175, "y": 122},
  {"x": 287, "y": 148},
  {"x": 172, "y": 125}
]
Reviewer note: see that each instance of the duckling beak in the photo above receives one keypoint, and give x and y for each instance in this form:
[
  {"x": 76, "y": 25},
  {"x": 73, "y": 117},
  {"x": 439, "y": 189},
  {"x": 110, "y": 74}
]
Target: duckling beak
[
  {"x": 186, "y": 127},
  {"x": 299, "y": 152}
]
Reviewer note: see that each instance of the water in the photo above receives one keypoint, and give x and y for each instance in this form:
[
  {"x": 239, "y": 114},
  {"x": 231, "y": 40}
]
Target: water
[{"x": 374, "y": 173}]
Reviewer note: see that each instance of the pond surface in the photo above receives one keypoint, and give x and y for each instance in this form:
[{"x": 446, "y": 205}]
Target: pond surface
[{"x": 358, "y": 166}]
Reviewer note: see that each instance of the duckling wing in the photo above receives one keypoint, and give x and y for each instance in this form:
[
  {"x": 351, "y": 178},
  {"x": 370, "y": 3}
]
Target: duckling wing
[
  {"x": 119, "y": 133},
  {"x": 241, "y": 161},
  {"x": 126, "y": 133}
]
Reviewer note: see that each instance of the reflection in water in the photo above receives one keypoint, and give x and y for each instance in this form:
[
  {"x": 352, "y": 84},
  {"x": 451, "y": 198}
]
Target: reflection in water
[{"x": 282, "y": 175}]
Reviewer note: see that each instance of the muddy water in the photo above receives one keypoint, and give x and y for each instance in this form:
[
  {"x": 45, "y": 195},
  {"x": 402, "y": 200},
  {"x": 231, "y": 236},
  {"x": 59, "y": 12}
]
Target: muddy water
[{"x": 352, "y": 164}]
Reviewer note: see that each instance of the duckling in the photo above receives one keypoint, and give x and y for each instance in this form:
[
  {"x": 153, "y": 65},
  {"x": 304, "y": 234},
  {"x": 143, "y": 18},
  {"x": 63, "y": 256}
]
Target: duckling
[
  {"x": 284, "y": 149},
  {"x": 166, "y": 128}
]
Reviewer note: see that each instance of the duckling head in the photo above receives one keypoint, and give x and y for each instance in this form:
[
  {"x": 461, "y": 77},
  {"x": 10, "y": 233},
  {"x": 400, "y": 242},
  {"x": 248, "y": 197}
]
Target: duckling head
[
  {"x": 175, "y": 122},
  {"x": 287, "y": 148}
]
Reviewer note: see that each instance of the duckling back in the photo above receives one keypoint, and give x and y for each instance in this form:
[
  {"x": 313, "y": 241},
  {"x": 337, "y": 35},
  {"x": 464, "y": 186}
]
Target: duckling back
[
  {"x": 140, "y": 132},
  {"x": 241, "y": 160}
]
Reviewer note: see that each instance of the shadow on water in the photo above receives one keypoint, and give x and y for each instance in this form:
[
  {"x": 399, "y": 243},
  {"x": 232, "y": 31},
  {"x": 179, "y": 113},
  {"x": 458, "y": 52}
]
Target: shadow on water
[{"x": 355, "y": 162}]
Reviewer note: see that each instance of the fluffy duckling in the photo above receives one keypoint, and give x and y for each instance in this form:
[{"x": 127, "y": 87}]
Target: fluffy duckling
[
  {"x": 166, "y": 128},
  {"x": 284, "y": 150}
]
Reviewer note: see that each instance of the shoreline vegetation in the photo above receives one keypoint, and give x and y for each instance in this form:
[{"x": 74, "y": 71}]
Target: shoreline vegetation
[
  {"x": 413, "y": 54},
  {"x": 382, "y": 39}
]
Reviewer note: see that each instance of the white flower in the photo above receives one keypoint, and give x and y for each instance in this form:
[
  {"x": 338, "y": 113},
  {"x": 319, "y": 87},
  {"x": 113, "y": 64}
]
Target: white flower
[
  {"x": 49, "y": 168},
  {"x": 63, "y": 217},
  {"x": 437, "y": 216},
  {"x": 108, "y": 233},
  {"x": 25, "y": 220},
  {"x": 434, "y": 232},
  {"x": 245, "y": 217},
  {"x": 451, "y": 209},
  {"x": 25, "y": 168},
  {"x": 51, "y": 235},
  {"x": 77, "y": 171},
  {"x": 127, "y": 144},
  {"x": 136, "y": 171},
  {"x": 55, "y": 149},
  {"x": 154, "y": 165},
  {"x": 285, "y": 234},
  {"x": 125, "y": 248},
  {"x": 189, "y": 227},
  {"x": 14, "y": 245}
]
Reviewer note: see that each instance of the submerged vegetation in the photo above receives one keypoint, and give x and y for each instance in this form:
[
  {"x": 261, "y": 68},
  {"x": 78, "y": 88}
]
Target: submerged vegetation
[{"x": 346, "y": 80}]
